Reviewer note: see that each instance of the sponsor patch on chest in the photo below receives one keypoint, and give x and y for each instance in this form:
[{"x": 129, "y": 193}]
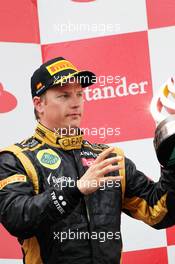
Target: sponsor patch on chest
[
  {"x": 87, "y": 162},
  {"x": 48, "y": 158}
]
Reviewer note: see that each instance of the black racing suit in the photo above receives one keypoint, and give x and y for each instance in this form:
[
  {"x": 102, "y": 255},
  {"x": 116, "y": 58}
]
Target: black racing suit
[{"x": 55, "y": 224}]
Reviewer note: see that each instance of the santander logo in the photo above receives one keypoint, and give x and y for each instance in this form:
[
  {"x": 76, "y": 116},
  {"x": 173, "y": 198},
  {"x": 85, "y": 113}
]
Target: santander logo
[{"x": 8, "y": 101}]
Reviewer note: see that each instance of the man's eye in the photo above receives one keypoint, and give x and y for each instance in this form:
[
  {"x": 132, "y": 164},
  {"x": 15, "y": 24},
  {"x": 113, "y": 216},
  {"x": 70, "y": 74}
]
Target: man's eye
[
  {"x": 63, "y": 96},
  {"x": 80, "y": 94}
]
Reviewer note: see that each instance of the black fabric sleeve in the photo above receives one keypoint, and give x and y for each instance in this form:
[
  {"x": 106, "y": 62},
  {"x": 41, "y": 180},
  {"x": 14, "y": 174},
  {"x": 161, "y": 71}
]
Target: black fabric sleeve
[
  {"x": 149, "y": 201},
  {"x": 21, "y": 210}
]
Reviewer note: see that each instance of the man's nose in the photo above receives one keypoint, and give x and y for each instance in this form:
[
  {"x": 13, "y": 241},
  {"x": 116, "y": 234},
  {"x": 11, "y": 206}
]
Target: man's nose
[{"x": 76, "y": 101}]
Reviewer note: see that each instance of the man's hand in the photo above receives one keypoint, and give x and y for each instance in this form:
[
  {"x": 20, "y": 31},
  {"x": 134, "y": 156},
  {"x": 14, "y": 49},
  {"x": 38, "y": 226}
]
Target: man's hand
[{"x": 95, "y": 175}]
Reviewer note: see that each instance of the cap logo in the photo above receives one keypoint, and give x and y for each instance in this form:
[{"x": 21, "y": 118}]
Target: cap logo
[
  {"x": 39, "y": 85},
  {"x": 59, "y": 66}
]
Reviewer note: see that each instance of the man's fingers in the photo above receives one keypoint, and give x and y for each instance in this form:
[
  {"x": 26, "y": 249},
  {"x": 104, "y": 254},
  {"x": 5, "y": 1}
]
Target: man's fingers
[
  {"x": 104, "y": 154},
  {"x": 109, "y": 169},
  {"x": 109, "y": 161}
]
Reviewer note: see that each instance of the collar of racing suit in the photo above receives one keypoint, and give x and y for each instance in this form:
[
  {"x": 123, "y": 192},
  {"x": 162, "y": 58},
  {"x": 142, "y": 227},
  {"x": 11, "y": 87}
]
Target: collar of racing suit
[{"x": 55, "y": 139}]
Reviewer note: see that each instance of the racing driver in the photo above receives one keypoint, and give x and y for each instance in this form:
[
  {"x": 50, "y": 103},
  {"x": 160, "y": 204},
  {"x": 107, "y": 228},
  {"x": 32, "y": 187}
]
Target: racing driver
[{"x": 62, "y": 196}]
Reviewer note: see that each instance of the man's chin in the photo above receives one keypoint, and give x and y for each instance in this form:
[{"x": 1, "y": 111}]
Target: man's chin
[{"x": 74, "y": 124}]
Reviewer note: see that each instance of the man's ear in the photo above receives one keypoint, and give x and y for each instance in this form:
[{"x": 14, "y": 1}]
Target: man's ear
[{"x": 38, "y": 103}]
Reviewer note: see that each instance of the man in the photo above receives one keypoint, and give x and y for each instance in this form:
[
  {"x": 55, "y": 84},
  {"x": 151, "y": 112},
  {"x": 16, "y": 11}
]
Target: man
[{"x": 62, "y": 196}]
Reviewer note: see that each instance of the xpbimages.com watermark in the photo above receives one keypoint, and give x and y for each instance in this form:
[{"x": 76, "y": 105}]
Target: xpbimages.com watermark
[
  {"x": 101, "y": 132},
  {"x": 73, "y": 235},
  {"x": 67, "y": 182},
  {"x": 101, "y": 79},
  {"x": 108, "y": 86},
  {"x": 86, "y": 27}
]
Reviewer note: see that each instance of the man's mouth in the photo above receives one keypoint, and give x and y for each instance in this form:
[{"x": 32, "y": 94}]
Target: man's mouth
[{"x": 74, "y": 114}]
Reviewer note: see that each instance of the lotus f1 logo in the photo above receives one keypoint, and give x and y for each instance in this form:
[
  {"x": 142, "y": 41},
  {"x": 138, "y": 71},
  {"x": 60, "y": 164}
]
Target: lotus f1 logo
[{"x": 8, "y": 102}]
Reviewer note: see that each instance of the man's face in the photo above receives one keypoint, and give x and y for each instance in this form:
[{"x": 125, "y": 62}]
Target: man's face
[{"x": 62, "y": 106}]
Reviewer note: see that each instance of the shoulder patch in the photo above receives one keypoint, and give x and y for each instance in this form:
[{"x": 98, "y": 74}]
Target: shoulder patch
[
  {"x": 18, "y": 151},
  {"x": 29, "y": 143}
]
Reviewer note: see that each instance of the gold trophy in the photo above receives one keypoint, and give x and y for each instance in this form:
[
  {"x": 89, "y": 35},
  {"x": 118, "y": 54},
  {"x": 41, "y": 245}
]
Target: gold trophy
[{"x": 163, "y": 112}]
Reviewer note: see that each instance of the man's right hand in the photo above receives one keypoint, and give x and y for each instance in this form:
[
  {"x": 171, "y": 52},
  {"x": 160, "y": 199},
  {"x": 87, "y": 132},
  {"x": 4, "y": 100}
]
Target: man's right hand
[{"x": 95, "y": 175}]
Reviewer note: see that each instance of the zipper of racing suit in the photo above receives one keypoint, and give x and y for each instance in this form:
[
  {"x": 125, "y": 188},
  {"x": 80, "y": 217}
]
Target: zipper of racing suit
[
  {"x": 87, "y": 209},
  {"x": 85, "y": 198}
]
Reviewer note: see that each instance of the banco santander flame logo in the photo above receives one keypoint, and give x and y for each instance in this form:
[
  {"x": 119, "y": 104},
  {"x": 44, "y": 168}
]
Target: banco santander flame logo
[{"x": 8, "y": 102}]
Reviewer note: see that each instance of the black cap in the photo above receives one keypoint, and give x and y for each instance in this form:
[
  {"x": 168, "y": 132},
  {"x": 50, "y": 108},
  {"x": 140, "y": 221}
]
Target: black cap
[{"x": 58, "y": 71}]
